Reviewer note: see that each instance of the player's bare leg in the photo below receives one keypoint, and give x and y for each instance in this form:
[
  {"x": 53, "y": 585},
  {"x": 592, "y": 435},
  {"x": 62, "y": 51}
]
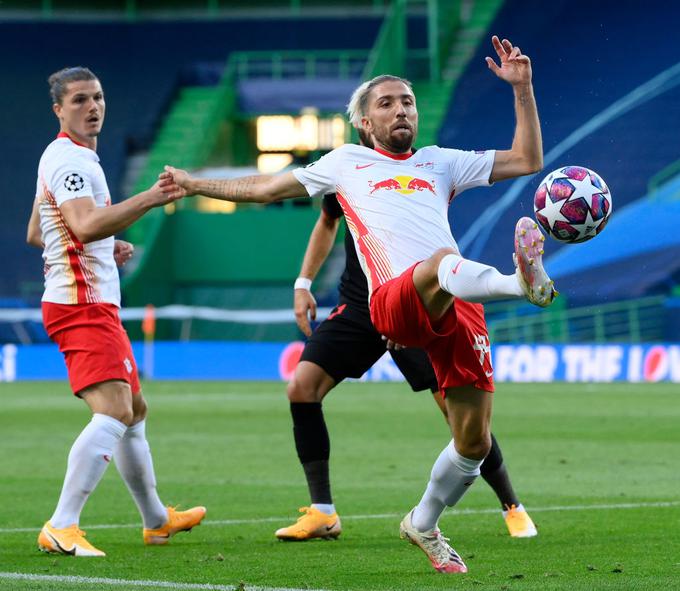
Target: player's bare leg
[
  {"x": 454, "y": 471},
  {"x": 458, "y": 465},
  {"x": 306, "y": 390},
  {"x": 495, "y": 474}
]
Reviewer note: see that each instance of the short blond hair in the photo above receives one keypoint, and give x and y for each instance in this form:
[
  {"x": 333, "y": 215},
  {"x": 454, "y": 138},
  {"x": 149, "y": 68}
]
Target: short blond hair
[{"x": 356, "y": 108}]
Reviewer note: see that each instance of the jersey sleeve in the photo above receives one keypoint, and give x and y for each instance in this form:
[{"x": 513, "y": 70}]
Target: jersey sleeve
[
  {"x": 469, "y": 168},
  {"x": 331, "y": 206},
  {"x": 69, "y": 178},
  {"x": 319, "y": 177}
]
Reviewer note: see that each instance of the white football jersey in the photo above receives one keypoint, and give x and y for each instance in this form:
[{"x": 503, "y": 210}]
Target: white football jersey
[
  {"x": 396, "y": 207},
  {"x": 75, "y": 273}
]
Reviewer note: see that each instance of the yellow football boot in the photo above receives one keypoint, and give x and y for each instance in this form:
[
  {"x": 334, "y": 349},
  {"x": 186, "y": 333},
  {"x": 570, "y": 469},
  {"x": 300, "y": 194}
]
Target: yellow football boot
[
  {"x": 177, "y": 521},
  {"x": 313, "y": 524},
  {"x": 519, "y": 523},
  {"x": 68, "y": 540}
]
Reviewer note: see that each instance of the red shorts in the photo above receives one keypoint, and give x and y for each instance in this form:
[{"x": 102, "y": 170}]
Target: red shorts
[
  {"x": 94, "y": 343},
  {"x": 457, "y": 344}
]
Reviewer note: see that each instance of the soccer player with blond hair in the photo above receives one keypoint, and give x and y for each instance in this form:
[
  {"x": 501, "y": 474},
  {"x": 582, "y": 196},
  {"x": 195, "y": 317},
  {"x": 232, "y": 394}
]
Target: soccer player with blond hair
[
  {"x": 423, "y": 292},
  {"x": 346, "y": 345}
]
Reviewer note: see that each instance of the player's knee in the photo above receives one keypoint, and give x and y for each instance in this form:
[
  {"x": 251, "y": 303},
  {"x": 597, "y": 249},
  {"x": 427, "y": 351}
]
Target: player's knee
[
  {"x": 122, "y": 413},
  {"x": 301, "y": 391},
  {"x": 474, "y": 448},
  {"x": 426, "y": 274},
  {"x": 439, "y": 254}
]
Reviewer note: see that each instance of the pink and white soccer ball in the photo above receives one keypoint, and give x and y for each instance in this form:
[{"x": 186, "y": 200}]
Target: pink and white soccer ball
[{"x": 573, "y": 204}]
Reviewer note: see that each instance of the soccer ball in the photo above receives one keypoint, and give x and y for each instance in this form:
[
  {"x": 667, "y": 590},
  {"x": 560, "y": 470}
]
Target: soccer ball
[{"x": 573, "y": 204}]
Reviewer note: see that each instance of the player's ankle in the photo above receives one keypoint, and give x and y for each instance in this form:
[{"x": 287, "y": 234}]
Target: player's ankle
[{"x": 327, "y": 508}]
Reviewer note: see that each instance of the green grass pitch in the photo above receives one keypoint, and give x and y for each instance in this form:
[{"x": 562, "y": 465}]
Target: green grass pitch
[{"x": 596, "y": 466}]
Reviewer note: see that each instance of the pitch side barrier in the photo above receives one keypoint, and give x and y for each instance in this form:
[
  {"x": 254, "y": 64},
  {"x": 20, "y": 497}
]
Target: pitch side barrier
[
  {"x": 177, "y": 312},
  {"x": 228, "y": 360}
]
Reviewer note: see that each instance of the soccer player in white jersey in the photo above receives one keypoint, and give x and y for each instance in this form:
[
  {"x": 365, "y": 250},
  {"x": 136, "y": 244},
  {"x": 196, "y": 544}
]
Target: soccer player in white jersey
[
  {"x": 74, "y": 222},
  {"x": 423, "y": 292}
]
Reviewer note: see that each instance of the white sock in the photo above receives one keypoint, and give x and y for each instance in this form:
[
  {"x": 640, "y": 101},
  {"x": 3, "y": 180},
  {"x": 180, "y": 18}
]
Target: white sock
[
  {"x": 451, "y": 476},
  {"x": 87, "y": 461},
  {"x": 133, "y": 460},
  {"x": 474, "y": 282},
  {"x": 328, "y": 509}
]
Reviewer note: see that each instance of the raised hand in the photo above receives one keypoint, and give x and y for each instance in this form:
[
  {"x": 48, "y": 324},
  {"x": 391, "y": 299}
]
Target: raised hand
[{"x": 515, "y": 68}]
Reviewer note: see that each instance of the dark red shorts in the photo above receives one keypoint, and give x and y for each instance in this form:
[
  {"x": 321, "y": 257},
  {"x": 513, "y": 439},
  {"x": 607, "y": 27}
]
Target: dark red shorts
[
  {"x": 458, "y": 343},
  {"x": 94, "y": 343}
]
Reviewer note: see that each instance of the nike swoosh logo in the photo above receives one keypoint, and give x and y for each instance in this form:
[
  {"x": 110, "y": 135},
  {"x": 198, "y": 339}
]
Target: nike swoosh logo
[
  {"x": 63, "y": 550},
  {"x": 455, "y": 269},
  {"x": 360, "y": 166},
  {"x": 337, "y": 312},
  {"x": 330, "y": 527}
]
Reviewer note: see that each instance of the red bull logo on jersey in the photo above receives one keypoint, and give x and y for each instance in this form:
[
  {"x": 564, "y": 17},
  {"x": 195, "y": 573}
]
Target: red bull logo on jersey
[{"x": 402, "y": 184}]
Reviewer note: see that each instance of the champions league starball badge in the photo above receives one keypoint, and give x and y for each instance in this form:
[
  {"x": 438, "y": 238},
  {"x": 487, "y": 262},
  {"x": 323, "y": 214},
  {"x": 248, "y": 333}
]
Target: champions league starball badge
[{"x": 74, "y": 182}]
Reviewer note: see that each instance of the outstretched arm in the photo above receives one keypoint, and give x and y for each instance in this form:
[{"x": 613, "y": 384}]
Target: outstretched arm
[
  {"x": 248, "y": 189},
  {"x": 89, "y": 222},
  {"x": 526, "y": 154},
  {"x": 318, "y": 248}
]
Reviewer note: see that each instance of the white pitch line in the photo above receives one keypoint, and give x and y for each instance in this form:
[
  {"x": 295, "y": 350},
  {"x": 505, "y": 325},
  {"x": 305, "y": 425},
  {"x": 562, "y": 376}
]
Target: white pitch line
[
  {"x": 603, "y": 507},
  {"x": 140, "y": 583}
]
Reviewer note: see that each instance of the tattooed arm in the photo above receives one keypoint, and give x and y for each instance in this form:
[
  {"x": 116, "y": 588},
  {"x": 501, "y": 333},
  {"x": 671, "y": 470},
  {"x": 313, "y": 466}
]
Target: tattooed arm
[{"x": 255, "y": 189}]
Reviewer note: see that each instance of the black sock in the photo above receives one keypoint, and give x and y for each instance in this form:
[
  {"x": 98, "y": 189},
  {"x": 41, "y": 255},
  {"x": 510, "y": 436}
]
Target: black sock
[
  {"x": 494, "y": 472},
  {"x": 313, "y": 448}
]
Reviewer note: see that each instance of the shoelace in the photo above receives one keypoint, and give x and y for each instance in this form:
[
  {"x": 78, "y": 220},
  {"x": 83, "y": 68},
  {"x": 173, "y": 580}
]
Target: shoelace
[
  {"x": 439, "y": 545},
  {"x": 305, "y": 510},
  {"x": 76, "y": 531},
  {"x": 514, "y": 515},
  {"x": 517, "y": 519}
]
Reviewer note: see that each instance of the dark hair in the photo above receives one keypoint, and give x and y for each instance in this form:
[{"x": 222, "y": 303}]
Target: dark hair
[{"x": 59, "y": 80}]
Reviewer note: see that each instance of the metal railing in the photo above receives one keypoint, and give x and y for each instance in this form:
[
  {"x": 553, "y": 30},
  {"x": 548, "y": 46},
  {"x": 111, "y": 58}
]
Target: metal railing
[
  {"x": 661, "y": 178},
  {"x": 135, "y": 9},
  {"x": 296, "y": 64},
  {"x": 632, "y": 321}
]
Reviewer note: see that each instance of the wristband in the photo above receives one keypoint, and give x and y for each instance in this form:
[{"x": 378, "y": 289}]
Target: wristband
[{"x": 303, "y": 283}]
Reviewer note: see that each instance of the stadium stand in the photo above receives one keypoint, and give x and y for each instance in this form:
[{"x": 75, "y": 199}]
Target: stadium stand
[
  {"x": 140, "y": 66},
  {"x": 617, "y": 124},
  {"x": 578, "y": 79}
]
